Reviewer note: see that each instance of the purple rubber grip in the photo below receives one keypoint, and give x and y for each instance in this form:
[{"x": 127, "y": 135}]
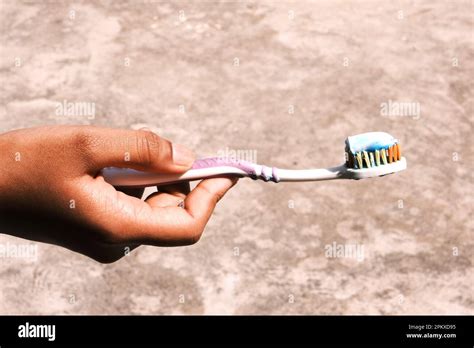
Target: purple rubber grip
[{"x": 255, "y": 171}]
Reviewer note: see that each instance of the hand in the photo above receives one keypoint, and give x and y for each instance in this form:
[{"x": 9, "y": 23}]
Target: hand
[{"x": 51, "y": 190}]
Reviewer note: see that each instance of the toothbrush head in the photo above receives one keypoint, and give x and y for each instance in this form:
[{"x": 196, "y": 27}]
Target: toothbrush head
[{"x": 373, "y": 154}]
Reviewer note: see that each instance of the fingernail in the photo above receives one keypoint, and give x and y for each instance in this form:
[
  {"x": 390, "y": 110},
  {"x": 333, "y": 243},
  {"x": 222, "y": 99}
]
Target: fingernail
[{"x": 182, "y": 156}]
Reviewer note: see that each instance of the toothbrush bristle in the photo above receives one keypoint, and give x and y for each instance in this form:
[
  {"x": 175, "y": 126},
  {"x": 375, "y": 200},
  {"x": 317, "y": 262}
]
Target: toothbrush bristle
[
  {"x": 384, "y": 156},
  {"x": 372, "y": 150},
  {"x": 366, "y": 157},
  {"x": 359, "y": 160}
]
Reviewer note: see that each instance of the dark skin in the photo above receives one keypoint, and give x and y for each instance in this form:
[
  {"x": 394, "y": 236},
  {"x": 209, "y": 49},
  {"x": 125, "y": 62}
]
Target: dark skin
[{"x": 51, "y": 190}]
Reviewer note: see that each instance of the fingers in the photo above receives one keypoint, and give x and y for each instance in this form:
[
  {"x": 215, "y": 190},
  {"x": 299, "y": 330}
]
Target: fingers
[
  {"x": 137, "y": 149},
  {"x": 169, "y": 195},
  {"x": 160, "y": 221},
  {"x": 161, "y": 200},
  {"x": 184, "y": 226},
  {"x": 200, "y": 203}
]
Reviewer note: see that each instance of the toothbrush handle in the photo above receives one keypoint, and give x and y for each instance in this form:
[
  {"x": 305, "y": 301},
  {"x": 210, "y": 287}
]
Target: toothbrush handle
[
  {"x": 201, "y": 169},
  {"x": 215, "y": 166},
  {"x": 133, "y": 178}
]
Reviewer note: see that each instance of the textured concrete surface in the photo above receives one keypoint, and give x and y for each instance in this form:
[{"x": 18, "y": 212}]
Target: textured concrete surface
[{"x": 287, "y": 81}]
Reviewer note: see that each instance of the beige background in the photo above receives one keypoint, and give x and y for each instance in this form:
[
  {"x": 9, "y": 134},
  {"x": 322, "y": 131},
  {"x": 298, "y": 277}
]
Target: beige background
[{"x": 289, "y": 53}]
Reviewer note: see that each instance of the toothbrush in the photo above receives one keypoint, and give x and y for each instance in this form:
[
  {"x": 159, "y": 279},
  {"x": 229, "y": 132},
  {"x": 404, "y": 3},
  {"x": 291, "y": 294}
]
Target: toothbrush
[{"x": 367, "y": 155}]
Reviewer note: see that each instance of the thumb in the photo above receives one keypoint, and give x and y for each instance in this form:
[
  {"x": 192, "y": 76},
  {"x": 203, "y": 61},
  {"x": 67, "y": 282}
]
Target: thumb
[{"x": 137, "y": 149}]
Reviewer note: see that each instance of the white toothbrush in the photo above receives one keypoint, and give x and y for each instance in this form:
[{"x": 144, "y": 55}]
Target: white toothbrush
[{"x": 367, "y": 155}]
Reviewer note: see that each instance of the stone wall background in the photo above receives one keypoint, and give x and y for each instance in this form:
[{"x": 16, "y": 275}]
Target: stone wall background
[{"x": 287, "y": 81}]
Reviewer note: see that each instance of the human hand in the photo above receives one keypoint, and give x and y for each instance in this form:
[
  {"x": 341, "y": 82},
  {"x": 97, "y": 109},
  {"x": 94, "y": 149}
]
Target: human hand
[{"x": 51, "y": 190}]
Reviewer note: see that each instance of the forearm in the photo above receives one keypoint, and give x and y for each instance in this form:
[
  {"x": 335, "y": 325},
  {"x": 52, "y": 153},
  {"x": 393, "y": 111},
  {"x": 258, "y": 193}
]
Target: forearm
[{"x": 5, "y": 152}]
